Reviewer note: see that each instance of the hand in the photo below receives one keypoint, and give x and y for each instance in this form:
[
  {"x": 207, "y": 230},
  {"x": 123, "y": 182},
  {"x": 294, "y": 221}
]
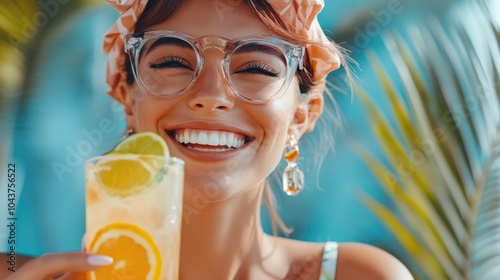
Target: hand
[{"x": 69, "y": 266}]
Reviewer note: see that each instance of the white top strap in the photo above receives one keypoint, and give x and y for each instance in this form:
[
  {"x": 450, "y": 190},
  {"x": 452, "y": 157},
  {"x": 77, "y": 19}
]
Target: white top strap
[{"x": 329, "y": 264}]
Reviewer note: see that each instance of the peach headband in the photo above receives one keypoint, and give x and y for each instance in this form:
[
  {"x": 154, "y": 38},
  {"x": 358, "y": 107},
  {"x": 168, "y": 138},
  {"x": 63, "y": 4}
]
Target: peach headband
[{"x": 299, "y": 15}]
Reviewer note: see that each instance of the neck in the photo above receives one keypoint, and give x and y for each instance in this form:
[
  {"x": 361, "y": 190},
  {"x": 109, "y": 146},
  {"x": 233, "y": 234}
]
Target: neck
[{"x": 219, "y": 239}]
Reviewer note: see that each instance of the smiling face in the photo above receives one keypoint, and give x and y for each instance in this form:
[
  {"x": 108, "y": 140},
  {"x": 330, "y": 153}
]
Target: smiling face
[{"x": 229, "y": 145}]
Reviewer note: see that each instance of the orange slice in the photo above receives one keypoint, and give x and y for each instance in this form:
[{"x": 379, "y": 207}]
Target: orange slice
[{"x": 135, "y": 254}]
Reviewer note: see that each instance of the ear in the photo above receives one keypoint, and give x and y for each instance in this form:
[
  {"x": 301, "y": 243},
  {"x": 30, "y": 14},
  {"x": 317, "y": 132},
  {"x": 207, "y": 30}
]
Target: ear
[
  {"x": 126, "y": 97},
  {"x": 307, "y": 113}
]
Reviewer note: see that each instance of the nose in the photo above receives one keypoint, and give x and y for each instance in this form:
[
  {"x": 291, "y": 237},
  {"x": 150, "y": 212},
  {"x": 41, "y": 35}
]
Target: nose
[{"x": 211, "y": 92}]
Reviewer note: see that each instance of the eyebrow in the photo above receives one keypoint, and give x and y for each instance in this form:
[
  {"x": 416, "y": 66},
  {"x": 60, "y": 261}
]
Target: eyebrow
[
  {"x": 247, "y": 48},
  {"x": 169, "y": 41}
]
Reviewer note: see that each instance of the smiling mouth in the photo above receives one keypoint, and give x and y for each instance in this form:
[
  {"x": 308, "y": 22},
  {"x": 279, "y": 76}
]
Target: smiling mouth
[{"x": 209, "y": 140}]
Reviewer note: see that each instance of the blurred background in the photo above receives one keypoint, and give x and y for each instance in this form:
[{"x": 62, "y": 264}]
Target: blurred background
[{"x": 411, "y": 169}]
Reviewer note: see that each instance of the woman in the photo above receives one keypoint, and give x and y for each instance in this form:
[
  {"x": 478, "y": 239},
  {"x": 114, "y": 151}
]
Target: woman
[{"x": 264, "y": 96}]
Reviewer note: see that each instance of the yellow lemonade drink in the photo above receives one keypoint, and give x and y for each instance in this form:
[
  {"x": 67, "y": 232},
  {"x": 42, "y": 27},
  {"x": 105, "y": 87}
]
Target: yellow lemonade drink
[{"x": 133, "y": 212}]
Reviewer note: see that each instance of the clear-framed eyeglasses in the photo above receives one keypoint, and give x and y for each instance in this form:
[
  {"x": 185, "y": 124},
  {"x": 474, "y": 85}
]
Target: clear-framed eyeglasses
[{"x": 257, "y": 69}]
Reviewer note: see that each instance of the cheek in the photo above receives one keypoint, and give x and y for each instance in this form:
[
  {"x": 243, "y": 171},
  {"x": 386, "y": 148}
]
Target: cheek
[
  {"x": 276, "y": 125},
  {"x": 279, "y": 114},
  {"x": 148, "y": 112},
  {"x": 275, "y": 120}
]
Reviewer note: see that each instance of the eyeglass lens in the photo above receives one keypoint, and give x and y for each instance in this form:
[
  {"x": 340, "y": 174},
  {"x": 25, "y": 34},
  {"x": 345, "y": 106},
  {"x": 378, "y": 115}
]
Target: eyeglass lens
[{"x": 256, "y": 70}]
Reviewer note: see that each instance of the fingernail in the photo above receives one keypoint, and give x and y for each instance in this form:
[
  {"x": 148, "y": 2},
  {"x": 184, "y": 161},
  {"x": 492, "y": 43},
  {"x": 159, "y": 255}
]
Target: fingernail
[{"x": 99, "y": 260}]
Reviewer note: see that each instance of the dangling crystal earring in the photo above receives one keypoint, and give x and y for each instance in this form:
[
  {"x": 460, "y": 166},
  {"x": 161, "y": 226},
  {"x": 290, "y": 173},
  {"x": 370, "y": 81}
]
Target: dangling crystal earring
[
  {"x": 293, "y": 178},
  {"x": 127, "y": 133}
]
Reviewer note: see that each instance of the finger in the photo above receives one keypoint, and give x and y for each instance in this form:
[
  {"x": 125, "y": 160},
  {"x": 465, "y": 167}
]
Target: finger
[
  {"x": 54, "y": 264},
  {"x": 74, "y": 276}
]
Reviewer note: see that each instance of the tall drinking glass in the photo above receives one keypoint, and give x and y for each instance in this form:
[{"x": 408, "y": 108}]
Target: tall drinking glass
[{"x": 133, "y": 213}]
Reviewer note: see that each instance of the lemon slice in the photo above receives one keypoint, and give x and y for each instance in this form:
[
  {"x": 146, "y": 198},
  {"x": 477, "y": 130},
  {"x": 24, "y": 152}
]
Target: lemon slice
[
  {"x": 143, "y": 143},
  {"x": 136, "y": 163},
  {"x": 123, "y": 175}
]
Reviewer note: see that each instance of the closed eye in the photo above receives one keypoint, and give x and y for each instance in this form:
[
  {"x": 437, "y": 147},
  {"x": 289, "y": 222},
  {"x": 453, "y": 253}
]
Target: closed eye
[
  {"x": 257, "y": 68},
  {"x": 171, "y": 62}
]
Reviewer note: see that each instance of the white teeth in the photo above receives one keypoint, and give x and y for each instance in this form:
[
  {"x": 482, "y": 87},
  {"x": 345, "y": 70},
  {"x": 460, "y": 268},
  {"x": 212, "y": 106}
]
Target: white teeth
[
  {"x": 202, "y": 138},
  {"x": 213, "y": 139},
  {"x": 230, "y": 140},
  {"x": 209, "y": 149},
  {"x": 221, "y": 139}
]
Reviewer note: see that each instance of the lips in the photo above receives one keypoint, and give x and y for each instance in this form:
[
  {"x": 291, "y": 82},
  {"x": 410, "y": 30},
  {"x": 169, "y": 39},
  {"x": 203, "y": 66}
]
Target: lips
[{"x": 209, "y": 140}]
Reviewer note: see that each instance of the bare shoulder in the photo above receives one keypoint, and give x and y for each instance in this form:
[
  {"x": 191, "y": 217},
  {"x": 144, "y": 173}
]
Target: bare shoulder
[{"x": 360, "y": 261}]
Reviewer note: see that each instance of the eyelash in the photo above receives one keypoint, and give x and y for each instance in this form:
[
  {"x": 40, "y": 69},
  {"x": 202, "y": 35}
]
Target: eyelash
[
  {"x": 162, "y": 63},
  {"x": 253, "y": 67},
  {"x": 259, "y": 68}
]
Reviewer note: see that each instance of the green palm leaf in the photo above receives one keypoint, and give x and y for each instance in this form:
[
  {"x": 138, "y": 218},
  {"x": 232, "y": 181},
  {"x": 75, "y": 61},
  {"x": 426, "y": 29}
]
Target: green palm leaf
[
  {"x": 12, "y": 42},
  {"x": 20, "y": 29},
  {"x": 443, "y": 145}
]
